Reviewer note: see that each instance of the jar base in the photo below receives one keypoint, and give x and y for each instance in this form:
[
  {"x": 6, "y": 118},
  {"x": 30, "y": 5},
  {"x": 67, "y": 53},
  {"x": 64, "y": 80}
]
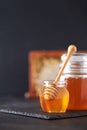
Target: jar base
[{"x": 55, "y": 112}]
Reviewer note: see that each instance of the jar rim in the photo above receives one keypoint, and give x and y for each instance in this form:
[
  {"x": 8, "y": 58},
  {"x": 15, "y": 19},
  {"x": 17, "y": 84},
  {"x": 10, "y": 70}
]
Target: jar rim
[
  {"x": 78, "y": 56},
  {"x": 62, "y": 80}
]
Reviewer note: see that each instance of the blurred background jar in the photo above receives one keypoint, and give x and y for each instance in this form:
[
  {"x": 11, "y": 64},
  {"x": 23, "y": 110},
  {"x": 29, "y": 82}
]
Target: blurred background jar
[
  {"x": 54, "y": 98},
  {"x": 76, "y": 75}
]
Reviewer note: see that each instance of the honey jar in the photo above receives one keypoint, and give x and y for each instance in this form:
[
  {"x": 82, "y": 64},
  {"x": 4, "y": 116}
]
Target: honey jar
[
  {"x": 54, "y": 98},
  {"x": 75, "y": 73}
]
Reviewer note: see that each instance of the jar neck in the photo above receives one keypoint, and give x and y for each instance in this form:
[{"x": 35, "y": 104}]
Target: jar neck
[
  {"x": 61, "y": 82},
  {"x": 77, "y": 64}
]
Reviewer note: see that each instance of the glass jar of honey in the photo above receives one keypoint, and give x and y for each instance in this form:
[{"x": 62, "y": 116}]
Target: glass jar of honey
[
  {"x": 54, "y": 98},
  {"x": 75, "y": 73}
]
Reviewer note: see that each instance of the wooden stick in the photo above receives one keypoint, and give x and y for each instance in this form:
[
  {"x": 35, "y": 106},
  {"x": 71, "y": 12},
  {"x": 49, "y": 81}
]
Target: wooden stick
[{"x": 71, "y": 50}]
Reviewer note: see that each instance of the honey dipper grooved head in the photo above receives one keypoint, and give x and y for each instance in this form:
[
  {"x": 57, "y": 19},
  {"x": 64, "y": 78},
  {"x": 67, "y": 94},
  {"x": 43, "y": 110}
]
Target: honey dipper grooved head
[{"x": 50, "y": 92}]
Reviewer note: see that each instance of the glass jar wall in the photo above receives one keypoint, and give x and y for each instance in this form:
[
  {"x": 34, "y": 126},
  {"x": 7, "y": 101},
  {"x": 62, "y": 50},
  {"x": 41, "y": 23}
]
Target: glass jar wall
[{"x": 76, "y": 75}]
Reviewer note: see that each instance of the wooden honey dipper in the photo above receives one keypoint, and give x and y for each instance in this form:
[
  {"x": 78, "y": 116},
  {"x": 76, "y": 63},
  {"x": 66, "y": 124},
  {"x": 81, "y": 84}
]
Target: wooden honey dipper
[{"x": 51, "y": 91}]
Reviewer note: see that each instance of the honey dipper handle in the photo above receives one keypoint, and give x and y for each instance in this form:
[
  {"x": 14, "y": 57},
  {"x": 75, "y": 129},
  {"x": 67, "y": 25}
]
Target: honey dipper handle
[{"x": 71, "y": 50}]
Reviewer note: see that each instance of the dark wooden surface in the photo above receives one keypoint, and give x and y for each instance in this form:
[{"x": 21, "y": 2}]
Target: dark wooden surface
[
  {"x": 17, "y": 122},
  {"x": 13, "y": 122}
]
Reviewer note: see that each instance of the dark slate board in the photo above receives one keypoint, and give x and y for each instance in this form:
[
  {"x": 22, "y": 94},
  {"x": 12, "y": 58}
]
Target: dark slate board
[{"x": 31, "y": 108}]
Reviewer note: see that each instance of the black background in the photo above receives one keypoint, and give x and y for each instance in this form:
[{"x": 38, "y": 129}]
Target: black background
[{"x": 27, "y": 25}]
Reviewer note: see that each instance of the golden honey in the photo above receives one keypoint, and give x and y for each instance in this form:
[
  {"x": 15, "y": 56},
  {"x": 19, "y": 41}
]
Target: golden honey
[
  {"x": 77, "y": 88},
  {"x": 55, "y": 100},
  {"x": 76, "y": 76}
]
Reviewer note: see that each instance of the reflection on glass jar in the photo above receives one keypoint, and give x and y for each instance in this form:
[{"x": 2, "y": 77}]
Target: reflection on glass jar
[
  {"x": 76, "y": 76},
  {"x": 54, "y": 98}
]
